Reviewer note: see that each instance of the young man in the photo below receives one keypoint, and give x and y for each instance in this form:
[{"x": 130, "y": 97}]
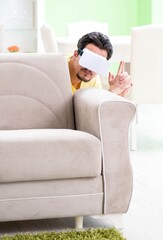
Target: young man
[{"x": 82, "y": 77}]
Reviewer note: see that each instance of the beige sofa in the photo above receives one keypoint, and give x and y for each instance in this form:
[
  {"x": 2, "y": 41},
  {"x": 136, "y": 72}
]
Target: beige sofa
[{"x": 60, "y": 155}]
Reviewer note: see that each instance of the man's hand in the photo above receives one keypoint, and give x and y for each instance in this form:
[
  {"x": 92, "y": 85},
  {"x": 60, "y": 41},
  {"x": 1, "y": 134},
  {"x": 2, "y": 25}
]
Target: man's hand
[{"x": 121, "y": 83}]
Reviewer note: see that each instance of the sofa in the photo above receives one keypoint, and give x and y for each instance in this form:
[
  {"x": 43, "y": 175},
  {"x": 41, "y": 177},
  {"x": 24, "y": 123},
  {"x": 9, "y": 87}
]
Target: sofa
[{"x": 61, "y": 155}]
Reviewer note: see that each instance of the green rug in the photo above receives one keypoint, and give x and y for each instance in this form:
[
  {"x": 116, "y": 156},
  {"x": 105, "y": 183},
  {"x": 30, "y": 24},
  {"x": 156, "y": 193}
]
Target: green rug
[{"x": 89, "y": 234}]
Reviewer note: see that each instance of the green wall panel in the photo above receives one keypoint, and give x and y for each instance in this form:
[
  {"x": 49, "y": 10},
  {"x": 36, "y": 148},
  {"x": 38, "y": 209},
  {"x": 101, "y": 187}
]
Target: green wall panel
[
  {"x": 144, "y": 12},
  {"x": 121, "y": 15}
]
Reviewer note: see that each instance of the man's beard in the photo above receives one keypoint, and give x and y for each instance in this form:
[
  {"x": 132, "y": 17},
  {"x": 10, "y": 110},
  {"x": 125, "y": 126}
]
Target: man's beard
[{"x": 83, "y": 79}]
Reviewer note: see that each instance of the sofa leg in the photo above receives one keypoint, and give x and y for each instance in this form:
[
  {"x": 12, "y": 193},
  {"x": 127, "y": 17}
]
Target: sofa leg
[{"x": 79, "y": 222}]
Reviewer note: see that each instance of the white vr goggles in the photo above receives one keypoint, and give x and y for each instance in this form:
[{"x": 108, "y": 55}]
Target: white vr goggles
[{"x": 94, "y": 62}]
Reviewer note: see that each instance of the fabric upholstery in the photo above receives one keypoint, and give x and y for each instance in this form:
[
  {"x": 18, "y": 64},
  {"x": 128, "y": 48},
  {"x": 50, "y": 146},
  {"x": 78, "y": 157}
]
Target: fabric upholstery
[
  {"x": 60, "y": 155},
  {"x": 56, "y": 187},
  {"x": 25, "y": 80},
  {"x": 112, "y": 128},
  {"x": 52, "y": 198},
  {"x": 44, "y": 154},
  {"x": 51, "y": 207}
]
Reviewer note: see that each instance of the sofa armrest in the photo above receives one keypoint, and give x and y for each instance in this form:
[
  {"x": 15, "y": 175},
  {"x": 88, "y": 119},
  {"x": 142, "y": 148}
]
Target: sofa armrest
[{"x": 108, "y": 117}]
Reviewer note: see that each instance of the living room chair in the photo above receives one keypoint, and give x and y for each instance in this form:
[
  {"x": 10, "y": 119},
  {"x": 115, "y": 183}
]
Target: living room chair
[
  {"x": 48, "y": 38},
  {"x": 61, "y": 155},
  {"x": 146, "y": 68},
  {"x": 80, "y": 28}
]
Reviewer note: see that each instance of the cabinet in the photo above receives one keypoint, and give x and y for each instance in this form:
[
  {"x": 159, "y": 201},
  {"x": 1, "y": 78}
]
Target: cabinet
[{"x": 22, "y": 20}]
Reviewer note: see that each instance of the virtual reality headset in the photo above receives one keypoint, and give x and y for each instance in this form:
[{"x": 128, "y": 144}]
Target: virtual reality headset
[{"x": 94, "y": 62}]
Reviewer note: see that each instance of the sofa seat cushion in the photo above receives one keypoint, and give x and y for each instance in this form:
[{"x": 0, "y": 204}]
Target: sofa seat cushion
[{"x": 43, "y": 154}]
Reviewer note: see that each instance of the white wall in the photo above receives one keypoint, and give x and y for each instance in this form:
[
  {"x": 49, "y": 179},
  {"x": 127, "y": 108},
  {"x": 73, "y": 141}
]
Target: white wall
[{"x": 157, "y": 11}]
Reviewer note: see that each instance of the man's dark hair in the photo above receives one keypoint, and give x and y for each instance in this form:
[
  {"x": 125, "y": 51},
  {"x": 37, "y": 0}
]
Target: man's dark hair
[{"x": 99, "y": 40}]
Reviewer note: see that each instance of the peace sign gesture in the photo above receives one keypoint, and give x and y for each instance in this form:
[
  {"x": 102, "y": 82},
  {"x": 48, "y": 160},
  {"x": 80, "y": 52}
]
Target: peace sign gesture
[{"x": 121, "y": 83}]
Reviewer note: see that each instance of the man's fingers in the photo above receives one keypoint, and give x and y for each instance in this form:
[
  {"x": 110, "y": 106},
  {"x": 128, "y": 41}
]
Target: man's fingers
[
  {"x": 121, "y": 68},
  {"x": 126, "y": 85},
  {"x": 111, "y": 77},
  {"x": 124, "y": 93}
]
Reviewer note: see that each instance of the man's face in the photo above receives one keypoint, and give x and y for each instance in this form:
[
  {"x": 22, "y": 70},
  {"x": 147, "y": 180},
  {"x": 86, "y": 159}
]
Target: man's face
[{"x": 84, "y": 74}]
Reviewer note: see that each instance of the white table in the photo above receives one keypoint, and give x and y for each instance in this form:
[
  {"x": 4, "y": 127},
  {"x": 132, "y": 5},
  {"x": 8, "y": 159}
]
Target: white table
[{"x": 121, "y": 47}]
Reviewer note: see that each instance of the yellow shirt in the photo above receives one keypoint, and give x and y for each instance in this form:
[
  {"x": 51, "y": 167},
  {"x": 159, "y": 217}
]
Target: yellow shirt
[{"x": 95, "y": 82}]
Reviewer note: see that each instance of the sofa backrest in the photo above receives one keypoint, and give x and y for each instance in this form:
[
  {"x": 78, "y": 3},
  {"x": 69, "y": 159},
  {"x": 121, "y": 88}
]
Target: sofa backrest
[{"x": 35, "y": 91}]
